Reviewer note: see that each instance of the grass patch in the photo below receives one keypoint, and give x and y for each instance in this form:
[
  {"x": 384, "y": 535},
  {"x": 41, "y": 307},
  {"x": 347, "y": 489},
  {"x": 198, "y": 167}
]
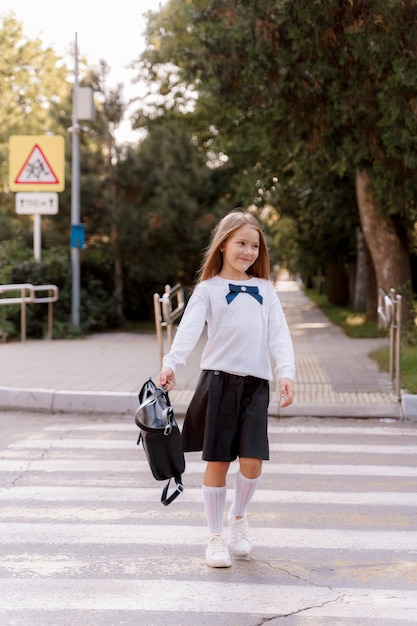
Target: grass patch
[
  {"x": 355, "y": 325},
  {"x": 408, "y": 369}
]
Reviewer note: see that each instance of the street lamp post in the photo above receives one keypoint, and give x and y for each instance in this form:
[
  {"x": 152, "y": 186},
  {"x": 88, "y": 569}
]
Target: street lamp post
[{"x": 75, "y": 195}]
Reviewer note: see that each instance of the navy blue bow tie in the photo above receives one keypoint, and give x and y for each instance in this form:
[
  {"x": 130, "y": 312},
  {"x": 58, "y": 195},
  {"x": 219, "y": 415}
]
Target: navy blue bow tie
[{"x": 236, "y": 289}]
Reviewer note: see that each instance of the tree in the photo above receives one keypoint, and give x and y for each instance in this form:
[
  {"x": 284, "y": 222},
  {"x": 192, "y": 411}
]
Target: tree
[
  {"x": 326, "y": 84},
  {"x": 112, "y": 111},
  {"x": 33, "y": 81},
  {"x": 34, "y": 88},
  {"x": 36, "y": 98},
  {"x": 165, "y": 212},
  {"x": 361, "y": 88}
]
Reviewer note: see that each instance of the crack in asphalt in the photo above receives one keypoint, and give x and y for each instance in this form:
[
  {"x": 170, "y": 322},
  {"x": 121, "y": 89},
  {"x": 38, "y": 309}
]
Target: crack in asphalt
[{"x": 288, "y": 573}]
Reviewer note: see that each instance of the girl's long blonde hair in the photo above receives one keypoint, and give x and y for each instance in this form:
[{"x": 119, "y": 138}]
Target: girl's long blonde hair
[{"x": 213, "y": 258}]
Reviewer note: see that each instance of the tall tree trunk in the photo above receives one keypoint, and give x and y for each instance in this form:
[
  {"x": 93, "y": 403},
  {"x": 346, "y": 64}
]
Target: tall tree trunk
[
  {"x": 361, "y": 274},
  {"x": 365, "y": 287},
  {"x": 338, "y": 284},
  {"x": 371, "y": 308},
  {"x": 390, "y": 259}
]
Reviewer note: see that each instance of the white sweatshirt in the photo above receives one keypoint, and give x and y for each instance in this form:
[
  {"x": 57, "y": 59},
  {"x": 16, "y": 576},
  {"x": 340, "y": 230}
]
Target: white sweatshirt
[{"x": 241, "y": 335}]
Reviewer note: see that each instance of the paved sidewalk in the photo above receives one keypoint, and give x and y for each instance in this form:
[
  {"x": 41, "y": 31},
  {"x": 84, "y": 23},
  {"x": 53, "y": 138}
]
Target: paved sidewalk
[{"x": 104, "y": 372}]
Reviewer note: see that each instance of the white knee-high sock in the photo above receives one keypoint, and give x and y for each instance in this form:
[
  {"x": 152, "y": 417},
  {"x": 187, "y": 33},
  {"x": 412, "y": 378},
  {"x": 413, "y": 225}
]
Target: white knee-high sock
[
  {"x": 214, "y": 501},
  {"x": 244, "y": 490}
]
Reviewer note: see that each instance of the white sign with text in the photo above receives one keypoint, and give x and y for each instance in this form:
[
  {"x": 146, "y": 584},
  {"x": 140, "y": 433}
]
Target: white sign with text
[{"x": 36, "y": 203}]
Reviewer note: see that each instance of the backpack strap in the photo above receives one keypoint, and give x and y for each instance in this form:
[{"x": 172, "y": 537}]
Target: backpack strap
[
  {"x": 180, "y": 488},
  {"x": 166, "y": 414}
]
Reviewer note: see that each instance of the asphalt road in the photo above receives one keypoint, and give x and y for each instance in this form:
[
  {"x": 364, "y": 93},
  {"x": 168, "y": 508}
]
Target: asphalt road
[{"x": 84, "y": 539}]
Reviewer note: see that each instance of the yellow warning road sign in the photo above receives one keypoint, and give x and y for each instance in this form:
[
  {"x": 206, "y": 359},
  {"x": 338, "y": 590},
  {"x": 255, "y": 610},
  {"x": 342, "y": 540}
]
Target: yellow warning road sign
[{"x": 36, "y": 163}]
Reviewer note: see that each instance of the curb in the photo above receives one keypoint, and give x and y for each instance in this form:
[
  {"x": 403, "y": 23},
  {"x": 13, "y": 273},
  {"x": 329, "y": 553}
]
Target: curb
[
  {"x": 123, "y": 403},
  {"x": 372, "y": 411},
  {"x": 66, "y": 401},
  {"x": 409, "y": 406}
]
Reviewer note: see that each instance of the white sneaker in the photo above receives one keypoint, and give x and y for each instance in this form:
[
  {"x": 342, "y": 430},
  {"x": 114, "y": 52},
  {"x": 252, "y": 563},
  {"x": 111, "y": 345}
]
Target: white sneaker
[
  {"x": 217, "y": 552},
  {"x": 240, "y": 543}
]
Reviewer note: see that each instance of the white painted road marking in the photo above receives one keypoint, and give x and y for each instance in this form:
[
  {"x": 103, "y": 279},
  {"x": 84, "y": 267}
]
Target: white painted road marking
[
  {"x": 154, "y": 534},
  {"x": 191, "y": 596},
  {"x": 122, "y": 444},
  {"x": 77, "y": 484},
  {"x": 145, "y": 494},
  {"x": 136, "y": 465}
]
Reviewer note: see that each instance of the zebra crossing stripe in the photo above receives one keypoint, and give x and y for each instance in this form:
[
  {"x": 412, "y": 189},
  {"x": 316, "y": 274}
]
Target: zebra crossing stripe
[
  {"x": 343, "y": 430},
  {"x": 271, "y": 538},
  {"x": 338, "y": 448},
  {"x": 273, "y": 428},
  {"x": 191, "y": 596},
  {"x": 145, "y": 494},
  {"x": 40, "y": 587},
  {"x": 122, "y": 444},
  {"x": 135, "y": 466}
]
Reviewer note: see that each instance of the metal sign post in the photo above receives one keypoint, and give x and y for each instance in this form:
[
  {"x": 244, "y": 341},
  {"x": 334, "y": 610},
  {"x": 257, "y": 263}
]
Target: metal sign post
[
  {"x": 75, "y": 194},
  {"x": 36, "y": 204},
  {"x": 82, "y": 109}
]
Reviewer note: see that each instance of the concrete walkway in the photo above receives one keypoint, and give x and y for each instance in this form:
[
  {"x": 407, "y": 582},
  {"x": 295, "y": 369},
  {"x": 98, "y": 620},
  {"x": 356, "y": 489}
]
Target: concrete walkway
[{"x": 104, "y": 372}]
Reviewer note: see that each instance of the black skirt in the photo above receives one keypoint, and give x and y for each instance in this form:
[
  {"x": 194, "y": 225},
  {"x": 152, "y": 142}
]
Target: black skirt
[{"x": 228, "y": 417}]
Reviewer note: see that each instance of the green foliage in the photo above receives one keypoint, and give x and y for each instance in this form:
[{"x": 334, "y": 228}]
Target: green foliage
[
  {"x": 408, "y": 369},
  {"x": 249, "y": 93},
  {"x": 6, "y": 328},
  {"x": 324, "y": 219},
  {"x": 306, "y": 92},
  {"x": 34, "y": 85},
  {"x": 408, "y": 365},
  {"x": 147, "y": 208},
  {"x": 164, "y": 214},
  {"x": 17, "y": 266},
  {"x": 97, "y": 303}
]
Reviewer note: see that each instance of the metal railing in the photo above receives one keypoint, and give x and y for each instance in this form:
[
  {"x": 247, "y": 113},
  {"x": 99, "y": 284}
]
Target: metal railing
[
  {"x": 167, "y": 309},
  {"x": 28, "y": 296},
  {"x": 389, "y": 312}
]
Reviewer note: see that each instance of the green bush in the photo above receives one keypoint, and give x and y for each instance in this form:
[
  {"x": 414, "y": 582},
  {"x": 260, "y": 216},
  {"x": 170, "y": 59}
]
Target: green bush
[{"x": 97, "y": 306}]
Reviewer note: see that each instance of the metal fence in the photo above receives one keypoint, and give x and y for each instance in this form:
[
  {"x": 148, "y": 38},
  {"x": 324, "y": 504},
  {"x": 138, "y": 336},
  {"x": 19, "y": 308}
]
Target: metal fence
[
  {"x": 167, "y": 309},
  {"x": 389, "y": 312},
  {"x": 28, "y": 295}
]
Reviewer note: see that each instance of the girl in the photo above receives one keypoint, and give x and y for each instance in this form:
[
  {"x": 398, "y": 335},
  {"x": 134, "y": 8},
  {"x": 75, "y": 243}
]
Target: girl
[{"x": 228, "y": 414}]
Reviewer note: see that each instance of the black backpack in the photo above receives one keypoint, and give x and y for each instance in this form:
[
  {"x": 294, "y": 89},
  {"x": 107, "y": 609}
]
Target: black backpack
[{"x": 161, "y": 438}]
